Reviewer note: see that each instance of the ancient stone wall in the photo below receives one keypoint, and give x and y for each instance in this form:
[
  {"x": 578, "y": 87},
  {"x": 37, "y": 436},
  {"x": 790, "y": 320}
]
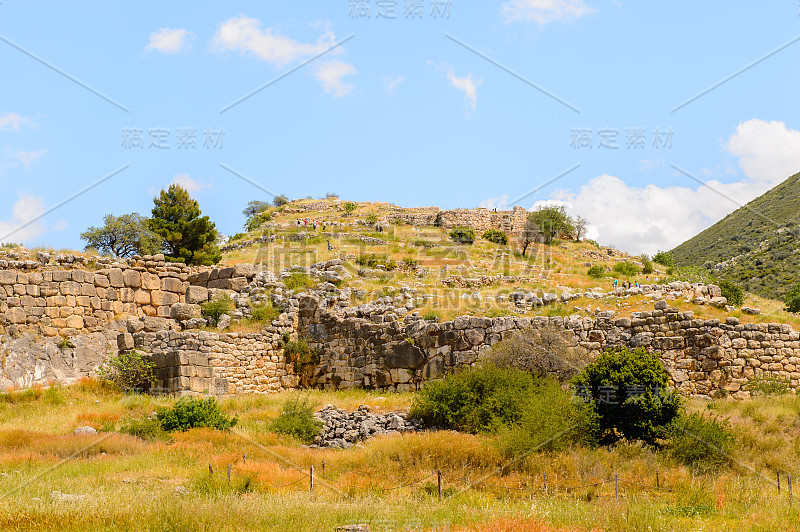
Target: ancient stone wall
[{"x": 369, "y": 346}]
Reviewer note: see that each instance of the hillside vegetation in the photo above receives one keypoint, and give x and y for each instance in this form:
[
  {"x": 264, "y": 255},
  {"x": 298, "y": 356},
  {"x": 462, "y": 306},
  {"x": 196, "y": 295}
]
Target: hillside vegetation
[{"x": 758, "y": 245}]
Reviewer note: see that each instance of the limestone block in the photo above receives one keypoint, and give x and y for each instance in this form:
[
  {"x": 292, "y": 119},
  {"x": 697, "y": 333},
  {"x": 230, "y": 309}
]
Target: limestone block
[
  {"x": 87, "y": 289},
  {"x": 150, "y": 281},
  {"x": 116, "y": 278},
  {"x": 161, "y": 298},
  {"x": 16, "y": 315},
  {"x": 171, "y": 284},
  {"x": 75, "y": 322},
  {"x": 196, "y": 294},
  {"x": 141, "y": 297},
  {"x": 69, "y": 288},
  {"x": 132, "y": 278},
  {"x": 101, "y": 280}
]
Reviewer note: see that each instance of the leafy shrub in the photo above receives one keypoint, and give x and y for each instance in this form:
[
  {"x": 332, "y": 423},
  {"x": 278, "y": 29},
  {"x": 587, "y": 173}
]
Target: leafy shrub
[
  {"x": 349, "y": 207},
  {"x": 373, "y": 261},
  {"x": 792, "y": 299},
  {"x": 647, "y": 265},
  {"x": 496, "y": 236},
  {"x": 701, "y": 443},
  {"x": 257, "y": 220},
  {"x": 596, "y": 271},
  {"x": 768, "y": 385},
  {"x": 372, "y": 218},
  {"x": 65, "y": 343},
  {"x": 463, "y": 235},
  {"x": 593, "y": 242},
  {"x": 216, "y": 308},
  {"x": 550, "y": 421},
  {"x": 732, "y": 292},
  {"x": 664, "y": 258},
  {"x": 409, "y": 264},
  {"x": 628, "y": 390},
  {"x": 298, "y": 280},
  {"x": 297, "y": 420},
  {"x": 190, "y": 413},
  {"x": 280, "y": 200},
  {"x": 299, "y": 353},
  {"x": 130, "y": 371},
  {"x": 543, "y": 352},
  {"x": 264, "y": 313},
  {"x": 148, "y": 428},
  {"x": 422, "y": 243},
  {"x": 476, "y": 400},
  {"x": 626, "y": 268}
]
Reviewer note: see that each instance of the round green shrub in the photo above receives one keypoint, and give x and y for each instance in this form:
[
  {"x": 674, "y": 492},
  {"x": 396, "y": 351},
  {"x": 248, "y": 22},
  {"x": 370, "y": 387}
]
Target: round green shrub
[
  {"x": 628, "y": 391},
  {"x": 297, "y": 420},
  {"x": 626, "y": 268},
  {"x": 496, "y": 236},
  {"x": 596, "y": 271},
  {"x": 463, "y": 235},
  {"x": 190, "y": 413},
  {"x": 792, "y": 299},
  {"x": 701, "y": 443},
  {"x": 732, "y": 292}
]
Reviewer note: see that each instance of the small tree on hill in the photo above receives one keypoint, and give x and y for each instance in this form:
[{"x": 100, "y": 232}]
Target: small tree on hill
[
  {"x": 123, "y": 236},
  {"x": 280, "y": 200},
  {"x": 792, "y": 299},
  {"x": 530, "y": 234},
  {"x": 255, "y": 207},
  {"x": 552, "y": 221},
  {"x": 349, "y": 208},
  {"x": 188, "y": 236}
]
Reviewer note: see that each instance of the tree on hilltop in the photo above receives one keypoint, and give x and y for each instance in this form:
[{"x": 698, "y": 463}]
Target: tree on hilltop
[
  {"x": 188, "y": 236},
  {"x": 123, "y": 236},
  {"x": 551, "y": 222}
]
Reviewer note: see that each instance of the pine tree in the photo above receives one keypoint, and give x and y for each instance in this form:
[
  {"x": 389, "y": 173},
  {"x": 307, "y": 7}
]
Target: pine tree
[{"x": 188, "y": 236}]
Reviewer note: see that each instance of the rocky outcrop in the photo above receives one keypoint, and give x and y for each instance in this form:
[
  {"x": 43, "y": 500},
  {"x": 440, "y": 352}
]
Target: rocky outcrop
[{"x": 342, "y": 430}]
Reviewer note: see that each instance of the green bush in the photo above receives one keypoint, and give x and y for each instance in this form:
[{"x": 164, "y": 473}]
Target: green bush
[
  {"x": 463, "y": 235},
  {"x": 496, "y": 236},
  {"x": 541, "y": 351},
  {"x": 299, "y": 280},
  {"x": 372, "y": 218},
  {"x": 626, "y": 268},
  {"x": 130, "y": 371},
  {"x": 792, "y": 299},
  {"x": 628, "y": 390},
  {"x": 732, "y": 292},
  {"x": 148, "y": 428},
  {"x": 372, "y": 261},
  {"x": 647, "y": 264},
  {"x": 297, "y": 420},
  {"x": 216, "y": 308},
  {"x": 190, "y": 413},
  {"x": 664, "y": 258},
  {"x": 701, "y": 443},
  {"x": 596, "y": 272},
  {"x": 476, "y": 400},
  {"x": 299, "y": 353},
  {"x": 550, "y": 421},
  {"x": 264, "y": 313}
]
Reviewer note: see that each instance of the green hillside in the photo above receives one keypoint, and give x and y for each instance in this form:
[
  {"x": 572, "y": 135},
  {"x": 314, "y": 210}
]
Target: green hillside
[{"x": 757, "y": 246}]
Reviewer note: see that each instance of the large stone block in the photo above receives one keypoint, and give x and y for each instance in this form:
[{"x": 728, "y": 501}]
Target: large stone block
[
  {"x": 125, "y": 341},
  {"x": 75, "y": 322},
  {"x": 16, "y": 315},
  {"x": 150, "y": 281},
  {"x": 69, "y": 288},
  {"x": 405, "y": 355},
  {"x": 8, "y": 277},
  {"x": 159, "y": 298},
  {"x": 132, "y": 278},
  {"x": 171, "y": 284},
  {"x": 88, "y": 289},
  {"x": 184, "y": 311},
  {"x": 101, "y": 280},
  {"x": 115, "y": 278},
  {"x": 196, "y": 294},
  {"x": 141, "y": 297}
]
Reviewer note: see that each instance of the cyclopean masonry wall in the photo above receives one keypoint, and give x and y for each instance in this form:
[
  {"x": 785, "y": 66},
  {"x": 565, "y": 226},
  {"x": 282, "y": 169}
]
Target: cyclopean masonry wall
[
  {"x": 511, "y": 222},
  {"x": 369, "y": 346}
]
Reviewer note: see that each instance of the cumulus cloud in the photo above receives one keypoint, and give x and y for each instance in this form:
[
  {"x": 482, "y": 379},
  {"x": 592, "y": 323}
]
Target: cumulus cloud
[
  {"x": 645, "y": 219},
  {"x": 27, "y": 158},
  {"x": 14, "y": 121},
  {"x": 169, "y": 40},
  {"x": 543, "y": 11},
  {"x": 245, "y": 34},
  {"x": 191, "y": 185},
  {"x": 331, "y": 76},
  {"x": 23, "y": 226},
  {"x": 391, "y": 83}
]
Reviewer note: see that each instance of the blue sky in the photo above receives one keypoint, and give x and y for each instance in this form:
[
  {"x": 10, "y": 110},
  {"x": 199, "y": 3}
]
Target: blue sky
[{"x": 453, "y": 104}]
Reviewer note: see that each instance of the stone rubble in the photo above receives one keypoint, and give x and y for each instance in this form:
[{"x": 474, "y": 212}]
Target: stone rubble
[{"x": 342, "y": 430}]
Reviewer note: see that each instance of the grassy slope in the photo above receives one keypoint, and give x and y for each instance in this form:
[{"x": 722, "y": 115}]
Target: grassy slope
[
  {"x": 123, "y": 483},
  {"x": 766, "y": 262}
]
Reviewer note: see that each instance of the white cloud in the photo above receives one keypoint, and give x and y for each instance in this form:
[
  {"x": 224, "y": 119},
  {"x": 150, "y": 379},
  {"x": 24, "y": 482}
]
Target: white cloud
[
  {"x": 466, "y": 84},
  {"x": 14, "y": 121},
  {"x": 544, "y": 11},
  {"x": 191, "y": 185},
  {"x": 767, "y": 151},
  {"x": 391, "y": 83},
  {"x": 645, "y": 219},
  {"x": 330, "y": 74},
  {"x": 26, "y": 209},
  {"x": 169, "y": 40},
  {"x": 26, "y": 158},
  {"x": 246, "y": 35},
  {"x": 500, "y": 203}
]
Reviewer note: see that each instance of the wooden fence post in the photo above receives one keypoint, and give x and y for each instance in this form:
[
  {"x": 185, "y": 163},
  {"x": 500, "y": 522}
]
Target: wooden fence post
[
  {"x": 229, "y": 473},
  {"x": 616, "y": 486},
  {"x": 210, "y": 469},
  {"x": 311, "y": 474},
  {"x": 439, "y": 482}
]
